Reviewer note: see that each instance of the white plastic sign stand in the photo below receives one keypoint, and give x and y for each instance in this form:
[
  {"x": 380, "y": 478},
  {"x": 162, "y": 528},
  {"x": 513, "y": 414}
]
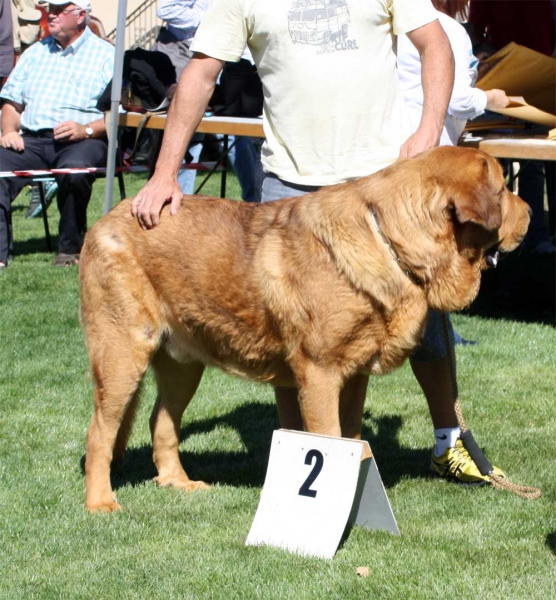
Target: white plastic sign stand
[{"x": 315, "y": 485}]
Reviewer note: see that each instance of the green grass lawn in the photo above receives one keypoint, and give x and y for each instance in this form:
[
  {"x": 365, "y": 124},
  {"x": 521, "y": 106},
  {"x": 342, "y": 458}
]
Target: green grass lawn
[{"x": 455, "y": 542}]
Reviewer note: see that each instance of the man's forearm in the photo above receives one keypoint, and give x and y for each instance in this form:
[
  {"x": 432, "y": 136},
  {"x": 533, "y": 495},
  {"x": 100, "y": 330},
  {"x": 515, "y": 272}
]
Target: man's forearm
[
  {"x": 437, "y": 75},
  {"x": 438, "y": 81},
  {"x": 186, "y": 111},
  {"x": 11, "y": 118}
]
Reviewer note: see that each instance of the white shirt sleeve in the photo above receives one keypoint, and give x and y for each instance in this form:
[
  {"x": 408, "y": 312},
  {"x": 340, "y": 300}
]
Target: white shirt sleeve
[
  {"x": 223, "y": 32},
  {"x": 408, "y": 15},
  {"x": 467, "y": 102}
]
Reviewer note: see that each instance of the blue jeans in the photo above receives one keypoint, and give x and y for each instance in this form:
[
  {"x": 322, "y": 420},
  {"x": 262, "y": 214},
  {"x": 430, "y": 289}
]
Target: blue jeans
[
  {"x": 245, "y": 158},
  {"x": 432, "y": 345},
  {"x": 531, "y": 189},
  {"x": 186, "y": 177}
]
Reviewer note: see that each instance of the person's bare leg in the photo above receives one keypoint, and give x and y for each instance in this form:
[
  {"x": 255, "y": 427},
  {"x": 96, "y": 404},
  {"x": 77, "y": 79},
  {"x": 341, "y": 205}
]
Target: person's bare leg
[{"x": 435, "y": 380}]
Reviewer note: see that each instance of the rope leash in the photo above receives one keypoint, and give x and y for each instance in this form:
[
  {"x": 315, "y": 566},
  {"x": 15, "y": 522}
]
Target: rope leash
[{"x": 484, "y": 466}]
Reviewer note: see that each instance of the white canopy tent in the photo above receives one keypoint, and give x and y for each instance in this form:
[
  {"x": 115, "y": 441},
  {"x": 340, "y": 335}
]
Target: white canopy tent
[{"x": 115, "y": 104}]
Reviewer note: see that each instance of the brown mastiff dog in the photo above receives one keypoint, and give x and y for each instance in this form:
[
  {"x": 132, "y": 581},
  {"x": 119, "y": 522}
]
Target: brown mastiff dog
[{"x": 303, "y": 292}]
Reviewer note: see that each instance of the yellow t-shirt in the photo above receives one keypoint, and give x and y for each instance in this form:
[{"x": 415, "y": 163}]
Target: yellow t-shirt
[{"x": 333, "y": 109}]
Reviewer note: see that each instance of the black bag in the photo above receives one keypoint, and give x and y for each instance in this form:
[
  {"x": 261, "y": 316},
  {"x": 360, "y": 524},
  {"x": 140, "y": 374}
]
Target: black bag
[
  {"x": 240, "y": 91},
  {"x": 146, "y": 77}
]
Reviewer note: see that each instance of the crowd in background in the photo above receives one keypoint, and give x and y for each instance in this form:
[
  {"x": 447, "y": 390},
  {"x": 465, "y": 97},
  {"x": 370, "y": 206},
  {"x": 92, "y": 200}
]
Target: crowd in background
[{"x": 475, "y": 29}]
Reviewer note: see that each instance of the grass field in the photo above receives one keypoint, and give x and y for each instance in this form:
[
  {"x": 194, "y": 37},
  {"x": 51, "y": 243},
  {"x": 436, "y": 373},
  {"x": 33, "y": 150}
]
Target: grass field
[{"x": 455, "y": 542}]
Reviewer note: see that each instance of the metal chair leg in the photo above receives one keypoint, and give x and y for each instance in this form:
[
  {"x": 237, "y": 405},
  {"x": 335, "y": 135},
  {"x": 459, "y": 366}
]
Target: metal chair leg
[{"x": 41, "y": 185}]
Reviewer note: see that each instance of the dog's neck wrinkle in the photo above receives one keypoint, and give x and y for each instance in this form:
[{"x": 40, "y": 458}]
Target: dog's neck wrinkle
[
  {"x": 341, "y": 231},
  {"x": 392, "y": 249},
  {"x": 413, "y": 235}
]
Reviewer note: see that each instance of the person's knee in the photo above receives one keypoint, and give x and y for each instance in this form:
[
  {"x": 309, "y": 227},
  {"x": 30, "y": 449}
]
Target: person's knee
[
  {"x": 433, "y": 345},
  {"x": 84, "y": 154}
]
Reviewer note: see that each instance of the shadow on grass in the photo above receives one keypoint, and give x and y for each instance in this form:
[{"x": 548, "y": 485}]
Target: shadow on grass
[
  {"x": 255, "y": 423},
  {"x": 521, "y": 288},
  {"x": 551, "y": 542},
  {"x": 35, "y": 246}
]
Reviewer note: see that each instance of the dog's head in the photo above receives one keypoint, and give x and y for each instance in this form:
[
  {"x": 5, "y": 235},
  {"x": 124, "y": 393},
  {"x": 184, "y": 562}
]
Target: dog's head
[
  {"x": 458, "y": 214},
  {"x": 483, "y": 218},
  {"x": 487, "y": 215}
]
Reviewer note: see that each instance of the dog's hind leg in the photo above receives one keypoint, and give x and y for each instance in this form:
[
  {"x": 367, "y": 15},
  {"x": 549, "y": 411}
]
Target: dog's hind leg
[
  {"x": 177, "y": 383},
  {"x": 117, "y": 374},
  {"x": 125, "y": 427}
]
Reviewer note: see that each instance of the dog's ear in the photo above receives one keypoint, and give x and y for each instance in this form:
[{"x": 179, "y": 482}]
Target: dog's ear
[{"x": 475, "y": 196}]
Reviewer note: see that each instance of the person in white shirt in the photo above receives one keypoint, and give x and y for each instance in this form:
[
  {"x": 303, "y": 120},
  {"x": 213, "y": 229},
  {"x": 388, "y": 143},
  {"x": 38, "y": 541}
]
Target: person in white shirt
[{"x": 467, "y": 102}]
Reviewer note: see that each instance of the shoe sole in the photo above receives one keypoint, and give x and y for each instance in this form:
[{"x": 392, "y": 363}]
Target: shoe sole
[{"x": 452, "y": 479}]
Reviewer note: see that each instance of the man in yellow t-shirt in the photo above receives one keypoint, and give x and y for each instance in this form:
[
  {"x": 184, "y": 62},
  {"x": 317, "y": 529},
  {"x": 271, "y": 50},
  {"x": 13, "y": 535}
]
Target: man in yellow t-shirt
[
  {"x": 333, "y": 111},
  {"x": 333, "y": 107}
]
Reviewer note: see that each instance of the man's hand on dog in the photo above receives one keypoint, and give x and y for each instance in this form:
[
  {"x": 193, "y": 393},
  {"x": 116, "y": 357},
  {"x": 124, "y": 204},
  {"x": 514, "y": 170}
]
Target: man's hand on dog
[
  {"x": 161, "y": 189},
  {"x": 423, "y": 139}
]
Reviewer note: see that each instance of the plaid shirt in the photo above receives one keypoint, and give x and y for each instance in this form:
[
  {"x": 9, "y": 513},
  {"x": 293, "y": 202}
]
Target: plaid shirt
[{"x": 56, "y": 85}]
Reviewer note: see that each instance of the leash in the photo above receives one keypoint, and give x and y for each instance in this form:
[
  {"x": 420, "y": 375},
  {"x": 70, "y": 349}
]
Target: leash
[{"x": 484, "y": 466}]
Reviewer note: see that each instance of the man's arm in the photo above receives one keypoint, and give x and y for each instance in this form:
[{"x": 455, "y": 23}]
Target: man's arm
[
  {"x": 437, "y": 79},
  {"x": 10, "y": 126},
  {"x": 70, "y": 131},
  {"x": 186, "y": 111}
]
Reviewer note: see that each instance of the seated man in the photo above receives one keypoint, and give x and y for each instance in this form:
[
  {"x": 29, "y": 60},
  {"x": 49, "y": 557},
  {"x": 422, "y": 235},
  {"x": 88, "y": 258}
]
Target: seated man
[{"x": 50, "y": 120}]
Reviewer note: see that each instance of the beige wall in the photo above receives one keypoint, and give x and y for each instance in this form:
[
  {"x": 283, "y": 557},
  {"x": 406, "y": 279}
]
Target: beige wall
[{"x": 107, "y": 11}]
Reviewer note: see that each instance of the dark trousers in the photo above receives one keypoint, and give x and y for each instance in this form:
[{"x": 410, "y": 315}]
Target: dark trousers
[
  {"x": 74, "y": 191},
  {"x": 531, "y": 189}
]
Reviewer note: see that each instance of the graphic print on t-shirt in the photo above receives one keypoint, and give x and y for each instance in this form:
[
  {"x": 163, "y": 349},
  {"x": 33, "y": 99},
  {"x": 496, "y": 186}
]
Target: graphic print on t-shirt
[{"x": 323, "y": 23}]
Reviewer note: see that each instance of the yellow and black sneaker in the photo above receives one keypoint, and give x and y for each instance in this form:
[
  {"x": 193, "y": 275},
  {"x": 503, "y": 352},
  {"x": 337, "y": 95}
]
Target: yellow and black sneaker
[{"x": 456, "y": 465}]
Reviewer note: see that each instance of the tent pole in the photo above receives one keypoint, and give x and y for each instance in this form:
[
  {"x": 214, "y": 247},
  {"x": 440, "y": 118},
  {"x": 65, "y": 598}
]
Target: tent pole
[{"x": 115, "y": 104}]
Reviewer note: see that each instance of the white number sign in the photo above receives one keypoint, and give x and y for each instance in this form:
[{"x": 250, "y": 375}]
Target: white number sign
[{"x": 314, "y": 486}]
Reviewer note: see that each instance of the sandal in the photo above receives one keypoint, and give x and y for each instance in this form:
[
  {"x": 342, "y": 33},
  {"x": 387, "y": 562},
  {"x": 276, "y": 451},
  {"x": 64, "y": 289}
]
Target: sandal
[{"x": 65, "y": 260}]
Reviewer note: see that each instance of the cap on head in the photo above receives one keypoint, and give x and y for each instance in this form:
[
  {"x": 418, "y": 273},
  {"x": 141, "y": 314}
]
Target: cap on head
[{"x": 83, "y": 4}]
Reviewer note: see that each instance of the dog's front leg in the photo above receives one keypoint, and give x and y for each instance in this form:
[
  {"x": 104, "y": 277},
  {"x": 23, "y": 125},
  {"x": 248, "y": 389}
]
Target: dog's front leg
[
  {"x": 352, "y": 401},
  {"x": 319, "y": 399}
]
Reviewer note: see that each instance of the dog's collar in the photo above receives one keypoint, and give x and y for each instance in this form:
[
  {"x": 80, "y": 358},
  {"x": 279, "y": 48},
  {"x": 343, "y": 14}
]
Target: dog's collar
[{"x": 402, "y": 264}]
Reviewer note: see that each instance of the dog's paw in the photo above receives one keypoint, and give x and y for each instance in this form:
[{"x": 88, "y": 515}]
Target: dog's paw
[
  {"x": 181, "y": 483},
  {"x": 106, "y": 507},
  {"x": 197, "y": 485}
]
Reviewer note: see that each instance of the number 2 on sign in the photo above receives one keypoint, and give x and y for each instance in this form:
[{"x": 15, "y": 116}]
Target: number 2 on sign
[{"x": 305, "y": 489}]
